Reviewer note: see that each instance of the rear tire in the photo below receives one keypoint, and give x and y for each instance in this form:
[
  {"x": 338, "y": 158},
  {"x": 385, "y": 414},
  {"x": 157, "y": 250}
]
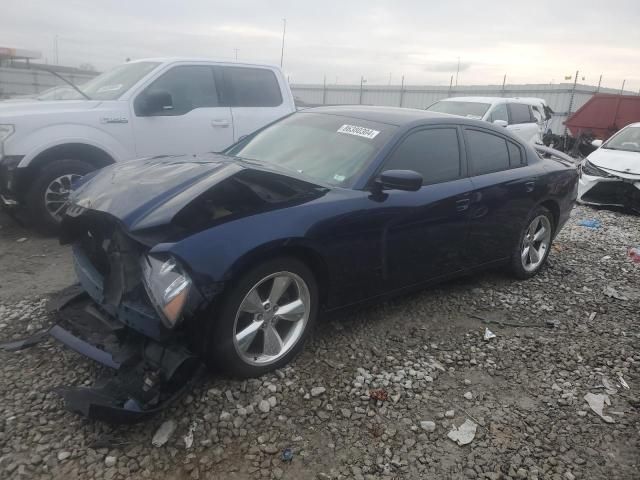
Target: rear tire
[
  {"x": 50, "y": 190},
  {"x": 534, "y": 244},
  {"x": 242, "y": 341}
]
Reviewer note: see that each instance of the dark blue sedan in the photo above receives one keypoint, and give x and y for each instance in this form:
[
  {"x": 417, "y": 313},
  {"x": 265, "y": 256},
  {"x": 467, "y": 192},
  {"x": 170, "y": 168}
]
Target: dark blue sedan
[{"x": 228, "y": 258}]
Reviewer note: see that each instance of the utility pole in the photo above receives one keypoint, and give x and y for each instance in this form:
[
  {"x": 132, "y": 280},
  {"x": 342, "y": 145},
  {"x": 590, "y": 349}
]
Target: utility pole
[
  {"x": 457, "y": 71},
  {"x": 284, "y": 30},
  {"x": 599, "y": 83}
]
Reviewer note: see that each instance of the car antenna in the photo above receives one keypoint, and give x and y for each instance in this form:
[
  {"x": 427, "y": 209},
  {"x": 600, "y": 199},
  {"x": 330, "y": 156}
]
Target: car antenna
[{"x": 56, "y": 74}]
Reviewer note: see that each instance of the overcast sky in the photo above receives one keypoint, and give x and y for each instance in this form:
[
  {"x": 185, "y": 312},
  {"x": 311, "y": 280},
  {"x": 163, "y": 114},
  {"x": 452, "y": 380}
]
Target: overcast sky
[{"x": 536, "y": 41}]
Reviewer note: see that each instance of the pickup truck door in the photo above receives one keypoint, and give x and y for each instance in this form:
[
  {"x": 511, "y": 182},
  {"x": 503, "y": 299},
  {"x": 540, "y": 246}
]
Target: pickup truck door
[
  {"x": 257, "y": 97},
  {"x": 195, "y": 120}
]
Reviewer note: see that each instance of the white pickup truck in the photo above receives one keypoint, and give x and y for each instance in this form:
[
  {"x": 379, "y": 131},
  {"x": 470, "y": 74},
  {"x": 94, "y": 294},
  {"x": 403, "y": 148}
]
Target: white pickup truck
[{"x": 140, "y": 109}]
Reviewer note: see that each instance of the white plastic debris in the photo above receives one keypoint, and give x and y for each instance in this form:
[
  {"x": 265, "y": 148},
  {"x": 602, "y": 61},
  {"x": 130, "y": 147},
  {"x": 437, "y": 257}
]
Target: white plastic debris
[
  {"x": 609, "y": 291},
  {"x": 463, "y": 434},
  {"x": 488, "y": 334},
  {"x": 609, "y": 386},
  {"x": 622, "y": 382},
  {"x": 188, "y": 438},
  {"x": 163, "y": 433},
  {"x": 597, "y": 403}
]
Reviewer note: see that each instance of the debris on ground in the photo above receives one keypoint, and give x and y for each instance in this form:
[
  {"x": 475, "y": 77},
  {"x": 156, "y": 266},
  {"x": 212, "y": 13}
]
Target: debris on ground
[
  {"x": 610, "y": 291},
  {"x": 590, "y": 223},
  {"x": 379, "y": 394},
  {"x": 287, "y": 455},
  {"x": 551, "y": 322},
  {"x": 488, "y": 334},
  {"x": 597, "y": 402},
  {"x": 21, "y": 240},
  {"x": 428, "y": 426},
  {"x": 188, "y": 438},
  {"x": 463, "y": 434},
  {"x": 634, "y": 254},
  {"x": 163, "y": 433},
  {"x": 622, "y": 381},
  {"x": 609, "y": 387}
]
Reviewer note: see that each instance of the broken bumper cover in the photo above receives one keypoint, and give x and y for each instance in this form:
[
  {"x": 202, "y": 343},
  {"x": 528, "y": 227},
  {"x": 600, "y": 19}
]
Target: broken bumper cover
[
  {"x": 148, "y": 375},
  {"x": 609, "y": 191}
]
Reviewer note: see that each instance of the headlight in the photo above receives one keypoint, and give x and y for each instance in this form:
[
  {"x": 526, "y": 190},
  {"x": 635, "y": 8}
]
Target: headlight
[
  {"x": 167, "y": 286},
  {"x": 589, "y": 168}
]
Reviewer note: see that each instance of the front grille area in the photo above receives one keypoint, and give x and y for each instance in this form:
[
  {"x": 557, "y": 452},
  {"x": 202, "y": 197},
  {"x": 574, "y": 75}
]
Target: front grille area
[{"x": 613, "y": 193}]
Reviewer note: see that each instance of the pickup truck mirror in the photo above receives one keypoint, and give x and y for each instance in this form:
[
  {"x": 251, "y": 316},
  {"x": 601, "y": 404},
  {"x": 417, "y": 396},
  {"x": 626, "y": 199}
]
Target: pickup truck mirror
[
  {"x": 399, "y": 180},
  {"x": 500, "y": 123},
  {"x": 154, "y": 102},
  {"x": 596, "y": 143}
]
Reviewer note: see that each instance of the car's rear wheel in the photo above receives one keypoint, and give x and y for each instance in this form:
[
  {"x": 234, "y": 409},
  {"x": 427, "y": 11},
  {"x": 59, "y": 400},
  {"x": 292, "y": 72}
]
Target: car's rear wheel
[
  {"x": 50, "y": 191},
  {"x": 534, "y": 244},
  {"x": 264, "y": 319}
]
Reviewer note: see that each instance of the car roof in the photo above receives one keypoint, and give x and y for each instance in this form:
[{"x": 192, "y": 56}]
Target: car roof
[
  {"x": 390, "y": 115},
  {"x": 527, "y": 100},
  {"x": 170, "y": 60}
]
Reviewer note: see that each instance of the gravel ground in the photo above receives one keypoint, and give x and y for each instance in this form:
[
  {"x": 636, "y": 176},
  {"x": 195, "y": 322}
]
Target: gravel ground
[{"x": 524, "y": 388}]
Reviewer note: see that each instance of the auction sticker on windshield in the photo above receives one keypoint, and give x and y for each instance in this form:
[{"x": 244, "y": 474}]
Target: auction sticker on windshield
[{"x": 358, "y": 131}]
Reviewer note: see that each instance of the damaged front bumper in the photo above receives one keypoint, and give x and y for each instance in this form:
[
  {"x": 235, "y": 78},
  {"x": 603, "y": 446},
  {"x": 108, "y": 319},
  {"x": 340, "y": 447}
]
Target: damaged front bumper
[
  {"x": 148, "y": 377},
  {"x": 610, "y": 191}
]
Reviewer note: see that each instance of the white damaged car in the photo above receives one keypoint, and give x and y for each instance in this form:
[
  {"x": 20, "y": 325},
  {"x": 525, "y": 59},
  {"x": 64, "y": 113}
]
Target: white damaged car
[{"x": 610, "y": 176}]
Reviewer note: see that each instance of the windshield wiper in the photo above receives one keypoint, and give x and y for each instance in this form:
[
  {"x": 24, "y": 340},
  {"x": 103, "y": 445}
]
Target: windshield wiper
[{"x": 56, "y": 74}]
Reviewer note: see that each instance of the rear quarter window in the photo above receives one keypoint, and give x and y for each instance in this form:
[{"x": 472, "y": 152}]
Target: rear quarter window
[
  {"x": 253, "y": 87},
  {"x": 488, "y": 152}
]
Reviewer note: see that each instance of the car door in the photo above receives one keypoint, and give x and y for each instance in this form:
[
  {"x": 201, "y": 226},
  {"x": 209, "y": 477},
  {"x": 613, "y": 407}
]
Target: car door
[
  {"x": 502, "y": 197},
  {"x": 256, "y": 96},
  {"x": 522, "y": 122},
  {"x": 196, "y": 120},
  {"x": 424, "y": 238}
]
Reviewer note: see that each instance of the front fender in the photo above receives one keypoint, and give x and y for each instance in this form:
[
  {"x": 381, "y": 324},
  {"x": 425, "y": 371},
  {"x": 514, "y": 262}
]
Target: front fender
[{"x": 41, "y": 140}]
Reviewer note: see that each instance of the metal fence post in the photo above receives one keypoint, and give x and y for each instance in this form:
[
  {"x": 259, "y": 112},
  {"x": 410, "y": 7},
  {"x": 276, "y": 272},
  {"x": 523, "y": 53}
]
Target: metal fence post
[
  {"x": 402, "y": 90},
  {"x": 324, "y": 91},
  {"x": 361, "y": 82},
  {"x": 573, "y": 93}
]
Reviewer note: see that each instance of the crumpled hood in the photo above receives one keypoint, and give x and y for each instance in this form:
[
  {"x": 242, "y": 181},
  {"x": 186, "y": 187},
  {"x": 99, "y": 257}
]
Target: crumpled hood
[
  {"x": 148, "y": 192},
  {"x": 616, "y": 160}
]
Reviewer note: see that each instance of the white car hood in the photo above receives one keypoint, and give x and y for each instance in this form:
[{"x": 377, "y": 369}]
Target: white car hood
[
  {"x": 618, "y": 161},
  {"x": 26, "y": 107}
]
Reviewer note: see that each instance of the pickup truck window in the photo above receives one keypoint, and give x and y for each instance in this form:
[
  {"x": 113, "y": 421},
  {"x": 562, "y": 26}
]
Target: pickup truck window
[{"x": 253, "y": 87}]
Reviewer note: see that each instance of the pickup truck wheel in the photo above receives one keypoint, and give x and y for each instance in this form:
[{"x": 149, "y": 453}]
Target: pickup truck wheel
[
  {"x": 534, "y": 244},
  {"x": 265, "y": 319},
  {"x": 50, "y": 191}
]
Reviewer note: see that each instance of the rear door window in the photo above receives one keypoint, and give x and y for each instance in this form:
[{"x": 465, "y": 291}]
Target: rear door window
[
  {"x": 515, "y": 154},
  {"x": 434, "y": 153},
  {"x": 253, "y": 87},
  {"x": 488, "y": 152},
  {"x": 520, "y": 113}
]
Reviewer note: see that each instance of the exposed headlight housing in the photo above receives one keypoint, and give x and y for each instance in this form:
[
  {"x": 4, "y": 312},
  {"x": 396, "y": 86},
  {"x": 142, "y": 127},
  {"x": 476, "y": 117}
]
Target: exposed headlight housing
[
  {"x": 167, "y": 285},
  {"x": 589, "y": 168},
  {"x": 6, "y": 131}
]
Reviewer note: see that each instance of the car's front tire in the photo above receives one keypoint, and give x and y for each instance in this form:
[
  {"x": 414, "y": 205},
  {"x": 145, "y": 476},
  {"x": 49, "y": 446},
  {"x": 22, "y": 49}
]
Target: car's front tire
[
  {"x": 50, "y": 191},
  {"x": 534, "y": 244},
  {"x": 265, "y": 318}
]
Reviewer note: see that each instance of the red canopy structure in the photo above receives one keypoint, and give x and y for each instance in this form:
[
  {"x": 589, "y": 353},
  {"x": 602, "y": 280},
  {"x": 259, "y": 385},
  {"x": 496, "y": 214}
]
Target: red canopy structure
[{"x": 604, "y": 114}]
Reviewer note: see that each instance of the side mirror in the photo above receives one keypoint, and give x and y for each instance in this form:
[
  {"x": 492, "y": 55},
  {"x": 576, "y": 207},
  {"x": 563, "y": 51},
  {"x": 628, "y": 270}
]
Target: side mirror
[
  {"x": 156, "y": 101},
  {"x": 500, "y": 123},
  {"x": 597, "y": 143},
  {"x": 399, "y": 180}
]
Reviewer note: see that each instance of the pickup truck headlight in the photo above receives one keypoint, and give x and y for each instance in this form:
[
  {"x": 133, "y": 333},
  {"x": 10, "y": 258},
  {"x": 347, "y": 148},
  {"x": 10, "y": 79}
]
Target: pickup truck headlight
[
  {"x": 167, "y": 285},
  {"x": 5, "y": 132}
]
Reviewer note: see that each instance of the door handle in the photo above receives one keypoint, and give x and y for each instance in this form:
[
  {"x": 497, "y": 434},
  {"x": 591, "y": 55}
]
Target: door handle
[
  {"x": 462, "y": 204},
  {"x": 220, "y": 123},
  {"x": 529, "y": 186}
]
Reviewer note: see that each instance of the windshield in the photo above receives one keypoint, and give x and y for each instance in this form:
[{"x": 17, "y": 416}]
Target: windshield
[
  {"x": 107, "y": 86},
  {"x": 627, "y": 139},
  {"x": 463, "y": 109},
  {"x": 330, "y": 149}
]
